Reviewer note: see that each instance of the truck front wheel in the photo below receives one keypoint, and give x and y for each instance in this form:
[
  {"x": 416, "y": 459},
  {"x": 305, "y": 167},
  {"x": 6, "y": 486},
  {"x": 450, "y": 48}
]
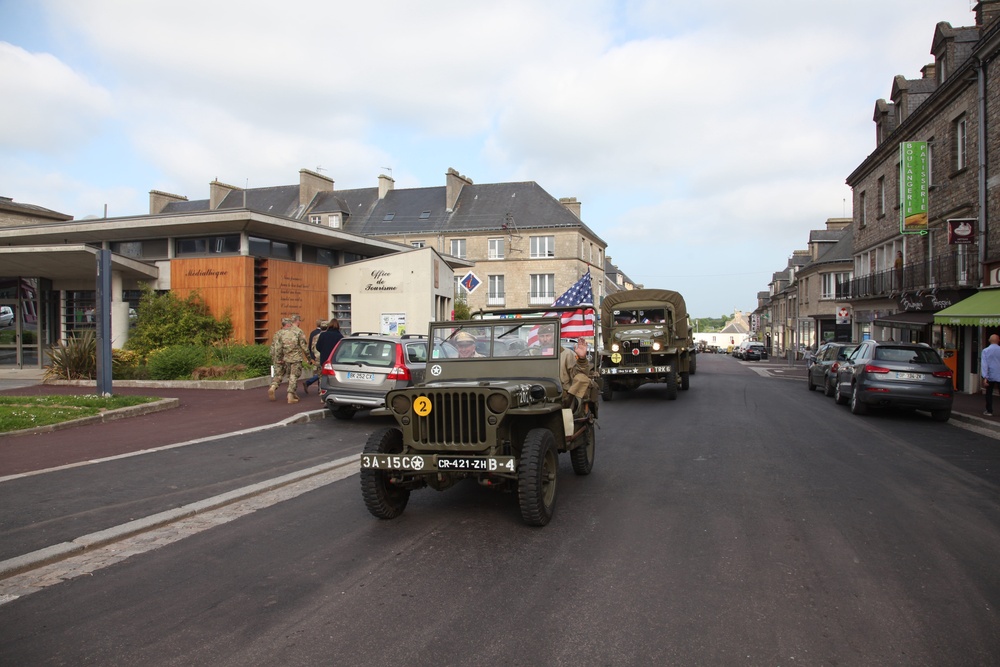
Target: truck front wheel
[
  {"x": 672, "y": 386},
  {"x": 536, "y": 477},
  {"x": 382, "y": 499}
]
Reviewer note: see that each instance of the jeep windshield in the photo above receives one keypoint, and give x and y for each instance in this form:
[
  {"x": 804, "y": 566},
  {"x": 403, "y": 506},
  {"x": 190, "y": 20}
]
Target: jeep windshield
[{"x": 479, "y": 340}]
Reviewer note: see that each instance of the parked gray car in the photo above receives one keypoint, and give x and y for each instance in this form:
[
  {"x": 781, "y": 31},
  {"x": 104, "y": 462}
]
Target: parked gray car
[
  {"x": 826, "y": 362},
  {"x": 364, "y": 367},
  {"x": 901, "y": 375}
]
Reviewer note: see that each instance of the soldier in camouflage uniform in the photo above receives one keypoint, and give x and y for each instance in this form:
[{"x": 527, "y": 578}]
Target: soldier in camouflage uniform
[{"x": 289, "y": 351}]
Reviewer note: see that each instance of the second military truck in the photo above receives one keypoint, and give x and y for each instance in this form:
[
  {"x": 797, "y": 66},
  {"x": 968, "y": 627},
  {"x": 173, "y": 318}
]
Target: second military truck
[{"x": 647, "y": 338}]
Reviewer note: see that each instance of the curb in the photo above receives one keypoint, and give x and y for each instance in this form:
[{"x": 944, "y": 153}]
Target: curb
[
  {"x": 252, "y": 383},
  {"x": 101, "y": 538},
  {"x": 106, "y": 416}
]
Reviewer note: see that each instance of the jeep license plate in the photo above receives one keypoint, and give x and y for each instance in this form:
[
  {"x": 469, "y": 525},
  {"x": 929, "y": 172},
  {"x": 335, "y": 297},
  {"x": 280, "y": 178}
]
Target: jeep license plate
[
  {"x": 437, "y": 463},
  {"x": 354, "y": 375}
]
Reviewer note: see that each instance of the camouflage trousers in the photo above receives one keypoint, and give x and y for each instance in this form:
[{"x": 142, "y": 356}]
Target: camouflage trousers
[{"x": 291, "y": 369}]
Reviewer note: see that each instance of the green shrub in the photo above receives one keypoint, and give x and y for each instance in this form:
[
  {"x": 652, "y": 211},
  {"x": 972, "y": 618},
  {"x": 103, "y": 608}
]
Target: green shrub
[
  {"x": 76, "y": 359},
  {"x": 255, "y": 358},
  {"x": 176, "y": 362},
  {"x": 164, "y": 320}
]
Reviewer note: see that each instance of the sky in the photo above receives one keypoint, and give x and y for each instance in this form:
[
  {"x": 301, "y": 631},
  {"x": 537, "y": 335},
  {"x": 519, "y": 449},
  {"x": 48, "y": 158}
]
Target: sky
[{"x": 704, "y": 140}]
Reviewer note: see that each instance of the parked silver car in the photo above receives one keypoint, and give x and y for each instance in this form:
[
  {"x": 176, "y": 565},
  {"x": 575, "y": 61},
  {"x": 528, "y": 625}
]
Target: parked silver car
[
  {"x": 825, "y": 364},
  {"x": 890, "y": 374},
  {"x": 364, "y": 367}
]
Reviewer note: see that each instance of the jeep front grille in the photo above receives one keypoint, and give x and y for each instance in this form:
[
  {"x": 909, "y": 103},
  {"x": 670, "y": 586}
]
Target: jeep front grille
[{"x": 456, "y": 418}]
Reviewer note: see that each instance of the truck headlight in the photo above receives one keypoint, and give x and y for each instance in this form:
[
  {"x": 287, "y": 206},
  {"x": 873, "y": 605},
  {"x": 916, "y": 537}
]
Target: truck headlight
[
  {"x": 615, "y": 347},
  {"x": 656, "y": 345}
]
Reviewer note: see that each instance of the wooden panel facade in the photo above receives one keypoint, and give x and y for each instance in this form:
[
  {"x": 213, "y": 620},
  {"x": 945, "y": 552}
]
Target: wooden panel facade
[{"x": 255, "y": 298}]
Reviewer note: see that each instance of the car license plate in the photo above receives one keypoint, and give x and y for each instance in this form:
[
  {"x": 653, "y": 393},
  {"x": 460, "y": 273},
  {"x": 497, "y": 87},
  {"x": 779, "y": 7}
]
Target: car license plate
[
  {"x": 353, "y": 375},
  {"x": 634, "y": 370},
  {"x": 432, "y": 463},
  {"x": 900, "y": 375}
]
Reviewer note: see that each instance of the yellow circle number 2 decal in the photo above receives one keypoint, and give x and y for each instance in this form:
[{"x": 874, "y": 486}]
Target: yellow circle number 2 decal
[{"x": 422, "y": 406}]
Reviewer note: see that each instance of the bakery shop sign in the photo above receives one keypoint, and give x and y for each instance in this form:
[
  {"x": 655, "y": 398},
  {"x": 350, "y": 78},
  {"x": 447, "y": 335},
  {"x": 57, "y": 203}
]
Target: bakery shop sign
[{"x": 380, "y": 282}]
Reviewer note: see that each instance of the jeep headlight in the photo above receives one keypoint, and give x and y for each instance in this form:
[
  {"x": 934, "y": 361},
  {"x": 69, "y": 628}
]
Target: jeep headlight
[
  {"x": 657, "y": 345},
  {"x": 400, "y": 404},
  {"x": 498, "y": 403},
  {"x": 615, "y": 347}
]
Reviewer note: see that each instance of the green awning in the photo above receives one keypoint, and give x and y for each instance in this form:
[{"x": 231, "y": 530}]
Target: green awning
[{"x": 982, "y": 309}]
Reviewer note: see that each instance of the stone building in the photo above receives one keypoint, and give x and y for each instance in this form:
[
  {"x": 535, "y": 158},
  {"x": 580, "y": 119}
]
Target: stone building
[{"x": 904, "y": 276}]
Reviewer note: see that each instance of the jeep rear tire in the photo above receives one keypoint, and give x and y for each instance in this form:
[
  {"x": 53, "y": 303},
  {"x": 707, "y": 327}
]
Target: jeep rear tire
[
  {"x": 583, "y": 456},
  {"x": 536, "y": 477},
  {"x": 382, "y": 499}
]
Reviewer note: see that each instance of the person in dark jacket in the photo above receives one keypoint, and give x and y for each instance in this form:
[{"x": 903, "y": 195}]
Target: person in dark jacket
[{"x": 326, "y": 341}]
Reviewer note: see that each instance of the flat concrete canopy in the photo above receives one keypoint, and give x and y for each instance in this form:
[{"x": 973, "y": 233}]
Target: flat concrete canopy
[{"x": 67, "y": 262}]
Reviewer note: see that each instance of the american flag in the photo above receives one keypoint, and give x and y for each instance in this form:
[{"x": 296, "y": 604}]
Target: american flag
[{"x": 575, "y": 323}]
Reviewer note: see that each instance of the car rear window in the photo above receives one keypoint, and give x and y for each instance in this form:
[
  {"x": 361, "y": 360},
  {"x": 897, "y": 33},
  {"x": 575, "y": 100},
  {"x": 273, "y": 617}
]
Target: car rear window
[
  {"x": 368, "y": 352},
  {"x": 907, "y": 355}
]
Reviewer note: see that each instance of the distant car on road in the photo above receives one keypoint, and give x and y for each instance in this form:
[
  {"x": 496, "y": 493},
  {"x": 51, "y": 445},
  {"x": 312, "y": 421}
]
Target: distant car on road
[
  {"x": 826, "y": 363},
  {"x": 890, "y": 374},
  {"x": 754, "y": 351}
]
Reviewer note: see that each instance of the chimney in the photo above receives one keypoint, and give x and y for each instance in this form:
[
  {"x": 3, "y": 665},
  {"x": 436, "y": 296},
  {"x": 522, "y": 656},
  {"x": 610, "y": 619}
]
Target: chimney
[
  {"x": 310, "y": 184},
  {"x": 385, "y": 185},
  {"x": 454, "y": 182},
  {"x": 987, "y": 11},
  {"x": 159, "y": 200},
  {"x": 218, "y": 192},
  {"x": 572, "y": 205},
  {"x": 927, "y": 71}
]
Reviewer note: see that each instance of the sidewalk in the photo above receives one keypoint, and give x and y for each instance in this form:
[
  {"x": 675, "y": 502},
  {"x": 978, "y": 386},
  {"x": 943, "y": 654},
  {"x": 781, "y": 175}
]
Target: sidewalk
[{"x": 199, "y": 413}]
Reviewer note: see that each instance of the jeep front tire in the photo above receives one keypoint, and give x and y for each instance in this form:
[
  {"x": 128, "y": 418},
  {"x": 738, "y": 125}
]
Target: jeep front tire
[
  {"x": 536, "y": 477},
  {"x": 382, "y": 499}
]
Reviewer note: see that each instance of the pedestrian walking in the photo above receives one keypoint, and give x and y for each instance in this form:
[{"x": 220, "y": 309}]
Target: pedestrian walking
[
  {"x": 326, "y": 341},
  {"x": 989, "y": 369},
  {"x": 313, "y": 359},
  {"x": 289, "y": 351}
]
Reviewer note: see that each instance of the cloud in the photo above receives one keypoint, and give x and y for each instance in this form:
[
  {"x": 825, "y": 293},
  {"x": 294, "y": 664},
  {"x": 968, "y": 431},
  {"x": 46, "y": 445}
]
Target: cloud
[{"x": 48, "y": 107}]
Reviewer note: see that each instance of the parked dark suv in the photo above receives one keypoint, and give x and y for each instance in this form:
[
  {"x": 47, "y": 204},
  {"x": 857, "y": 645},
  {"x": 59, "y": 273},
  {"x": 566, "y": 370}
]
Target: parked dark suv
[
  {"x": 902, "y": 375},
  {"x": 365, "y": 366},
  {"x": 826, "y": 362}
]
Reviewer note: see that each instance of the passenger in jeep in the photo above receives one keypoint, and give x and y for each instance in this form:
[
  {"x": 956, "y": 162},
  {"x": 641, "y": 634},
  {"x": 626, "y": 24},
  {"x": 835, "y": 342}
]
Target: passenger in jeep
[{"x": 577, "y": 374}]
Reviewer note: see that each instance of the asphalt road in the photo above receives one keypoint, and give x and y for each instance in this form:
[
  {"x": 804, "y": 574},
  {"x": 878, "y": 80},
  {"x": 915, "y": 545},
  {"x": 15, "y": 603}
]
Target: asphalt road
[{"x": 749, "y": 522}]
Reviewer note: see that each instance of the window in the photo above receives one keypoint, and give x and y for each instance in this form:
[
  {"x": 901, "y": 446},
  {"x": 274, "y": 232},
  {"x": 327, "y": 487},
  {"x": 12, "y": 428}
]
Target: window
[
  {"x": 881, "y": 196},
  {"x": 543, "y": 288},
  {"x": 388, "y": 217},
  {"x": 260, "y": 247},
  {"x": 316, "y": 219},
  {"x": 495, "y": 293},
  {"x": 208, "y": 245},
  {"x": 862, "y": 213},
  {"x": 458, "y": 248},
  {"x": 961, "y": 143},
  {"x": 334, "y": 220},
  {"x": 418, "y": 244},
  {"x": 835, "y": 285},
  {"x": 543, "y": 246},
  {"x": 460, "y": 291},
  {"x": 496, "y": 249},
  {"x": 425, "y": 215},
  {"x": 930, "y": 165}
]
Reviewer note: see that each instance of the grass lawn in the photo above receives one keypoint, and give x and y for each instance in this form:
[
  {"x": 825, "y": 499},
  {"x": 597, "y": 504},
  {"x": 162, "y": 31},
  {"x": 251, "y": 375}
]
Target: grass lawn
[{"x": 21, "y": 412}]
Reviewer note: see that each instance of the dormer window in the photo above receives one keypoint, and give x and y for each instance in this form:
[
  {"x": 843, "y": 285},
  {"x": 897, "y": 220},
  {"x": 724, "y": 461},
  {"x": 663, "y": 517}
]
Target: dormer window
[{"x": 316, "y": 219}]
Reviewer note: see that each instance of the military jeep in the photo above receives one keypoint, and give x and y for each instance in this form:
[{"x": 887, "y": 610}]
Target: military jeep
[{"x": 492, "y": 409}]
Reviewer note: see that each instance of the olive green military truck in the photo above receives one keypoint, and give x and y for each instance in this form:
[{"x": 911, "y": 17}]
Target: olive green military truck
[
  {"x": 647, "y": 338},
  {"x": 492, "y": 408}
]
